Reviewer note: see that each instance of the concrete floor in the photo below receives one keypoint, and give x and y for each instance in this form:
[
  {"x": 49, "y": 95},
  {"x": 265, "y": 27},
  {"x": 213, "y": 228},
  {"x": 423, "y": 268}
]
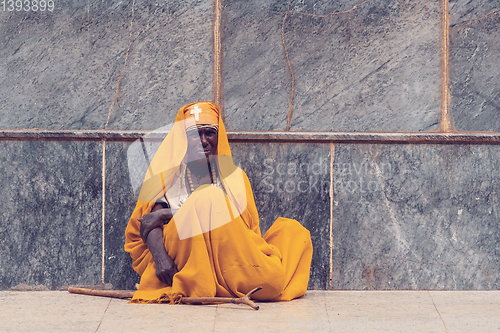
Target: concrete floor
[{"x": 322, "y": 311}]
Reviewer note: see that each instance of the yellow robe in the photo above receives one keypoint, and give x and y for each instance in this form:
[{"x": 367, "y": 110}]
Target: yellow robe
[{"x": 225, "y": 259}]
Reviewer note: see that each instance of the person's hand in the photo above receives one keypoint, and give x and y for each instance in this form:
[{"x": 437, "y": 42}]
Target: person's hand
[
  {"x": 165, "y": 270},
  {"x": 153, "y": 220}
]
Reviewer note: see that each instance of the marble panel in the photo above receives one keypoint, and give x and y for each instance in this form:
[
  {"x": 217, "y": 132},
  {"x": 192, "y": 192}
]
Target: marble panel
[
  {"x": 256, "y": 81},
  {"x": 50, "y": 230},
  {"x": 416, "y": 217},
  {"x": 120, "y": 203},
  {"x": 60, "y": 68},
  {"x": 367, "y": 66},
  {"x": 474, "y": 59},
  {"x": 291, "y": 180},
  {"x": 276, "y": 195}
]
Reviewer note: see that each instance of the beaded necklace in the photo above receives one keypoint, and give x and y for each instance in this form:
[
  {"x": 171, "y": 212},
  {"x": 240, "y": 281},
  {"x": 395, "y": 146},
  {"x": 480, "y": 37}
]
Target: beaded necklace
[{"x": 190, "y": 180}]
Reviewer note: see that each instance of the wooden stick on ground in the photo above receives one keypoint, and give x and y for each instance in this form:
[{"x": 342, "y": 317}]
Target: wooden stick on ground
[
  {"x": 242, "y": 300},
  {"x": 103, "y": 293},
  {"x": 186, "y": 300}
]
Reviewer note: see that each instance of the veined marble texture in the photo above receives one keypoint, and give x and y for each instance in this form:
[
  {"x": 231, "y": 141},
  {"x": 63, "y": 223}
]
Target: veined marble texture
[
  {"x": 474, "y": 59},
  {"x": 357, "y": 66},
  {"x": 416, "y": 217},
  {"x": 120, "y": 203},
  {"x": 395, "y": 217},
  {"x": 60, "y": 69},
  {"x": 50, "y": 233}
]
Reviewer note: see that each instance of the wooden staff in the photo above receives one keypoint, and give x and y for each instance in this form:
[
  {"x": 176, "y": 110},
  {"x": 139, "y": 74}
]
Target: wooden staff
[
  {"x": 103, "y": 293},
  {"x": 242, "y": 300},
  {"x": 186, "y": 300}
]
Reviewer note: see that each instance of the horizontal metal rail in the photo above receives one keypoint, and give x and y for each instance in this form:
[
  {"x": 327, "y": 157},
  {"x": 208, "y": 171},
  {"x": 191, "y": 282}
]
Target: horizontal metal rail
[{"x": 269, "y": 136}]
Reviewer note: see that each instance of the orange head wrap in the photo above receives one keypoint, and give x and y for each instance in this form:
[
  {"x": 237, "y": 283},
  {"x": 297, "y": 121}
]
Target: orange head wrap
[{"x": 201, "y": 113}]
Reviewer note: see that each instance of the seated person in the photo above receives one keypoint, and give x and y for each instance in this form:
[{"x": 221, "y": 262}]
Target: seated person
[{"x": 195, "y": 229}]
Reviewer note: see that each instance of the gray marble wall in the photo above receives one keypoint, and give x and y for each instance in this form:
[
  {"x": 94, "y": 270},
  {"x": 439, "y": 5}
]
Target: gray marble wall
[
  {"x": 51, "y": 213},
  {"x": 59, "y": 69},
  {"x": 375, "y": 68},
  {"x": 416, "y": 217},
  {"x": 474, "y": 57},
  {"x": 397, "y": 216}
]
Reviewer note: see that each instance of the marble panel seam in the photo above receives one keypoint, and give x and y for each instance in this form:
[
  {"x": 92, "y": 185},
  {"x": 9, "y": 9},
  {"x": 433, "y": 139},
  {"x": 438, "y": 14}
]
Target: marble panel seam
[
  {"x": 446, "y": 118},
  {"x": 458, "y": 137}
]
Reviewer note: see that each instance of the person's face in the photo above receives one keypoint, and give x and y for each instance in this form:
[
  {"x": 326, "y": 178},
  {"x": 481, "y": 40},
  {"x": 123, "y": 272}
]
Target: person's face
[{"x": 202, "y": 143}]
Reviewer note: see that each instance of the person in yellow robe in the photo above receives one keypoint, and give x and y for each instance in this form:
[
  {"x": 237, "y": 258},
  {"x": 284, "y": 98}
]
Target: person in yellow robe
[{"x": 195, "y": 229}]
